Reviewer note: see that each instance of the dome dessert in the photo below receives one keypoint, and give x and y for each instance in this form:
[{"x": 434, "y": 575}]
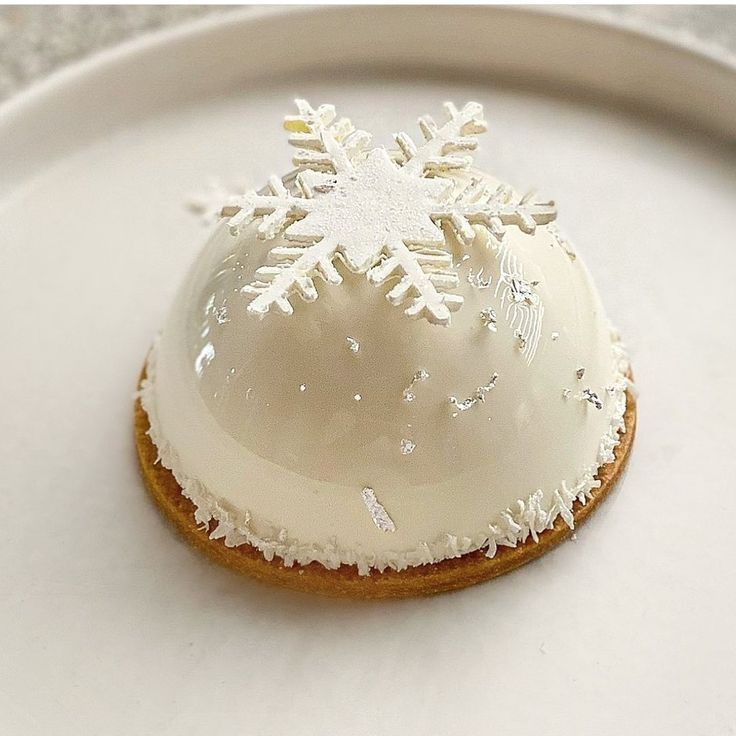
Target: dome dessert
[{"x": 386, "y": 373}]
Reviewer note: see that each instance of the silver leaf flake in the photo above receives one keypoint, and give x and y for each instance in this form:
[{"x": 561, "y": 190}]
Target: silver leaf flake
[
  {"x": 353, "y": 345},
  {"x": 521, "y": 340},
  {"x": 463, "y": 405},
  {"x": 479, "y": 395},
  {"x": 566, "y": 393},
  {"x": 580, "y": 372},
  {"x": 523, "y": 291},
  {"x": 489, "y": 319},
  {"x": 221, "y": 315},
  {"x": 378, "y": 513},
  {"x": 477, "y": 281},
  {"x": 408, "y": 394},
  {"x": 555, "y": 336},
  {"x": 591, "y": 397},
  {"x": 481, "y": 391},
  {"x": 407, "y": 447}
]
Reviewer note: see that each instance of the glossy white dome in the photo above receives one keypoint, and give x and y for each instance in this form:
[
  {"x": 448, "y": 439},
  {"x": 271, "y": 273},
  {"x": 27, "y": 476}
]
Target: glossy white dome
[{"x": 275, "y": 426}]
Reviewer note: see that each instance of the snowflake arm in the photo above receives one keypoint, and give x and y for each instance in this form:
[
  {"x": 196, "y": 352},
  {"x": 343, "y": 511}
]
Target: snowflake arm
[
  {"x": 444, "y": 145},
  {"x": 277, "y": 207},
  {"x": 293, "y": 272},
  {"x": 323, "y": 141},
  {"x": 427, "y": 276},
  {"x": 496, "y": 211}
]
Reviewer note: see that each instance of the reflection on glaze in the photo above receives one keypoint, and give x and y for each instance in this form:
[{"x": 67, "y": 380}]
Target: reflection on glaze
[{"x": 206, "y": 354}]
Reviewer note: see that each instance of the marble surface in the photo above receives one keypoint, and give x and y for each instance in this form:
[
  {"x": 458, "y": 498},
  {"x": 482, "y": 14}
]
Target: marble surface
[{"x": 35, "y": 40}]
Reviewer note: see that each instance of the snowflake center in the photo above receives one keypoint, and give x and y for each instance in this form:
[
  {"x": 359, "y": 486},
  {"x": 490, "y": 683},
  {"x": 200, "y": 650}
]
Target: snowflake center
[{"x": 362, "y": 211}]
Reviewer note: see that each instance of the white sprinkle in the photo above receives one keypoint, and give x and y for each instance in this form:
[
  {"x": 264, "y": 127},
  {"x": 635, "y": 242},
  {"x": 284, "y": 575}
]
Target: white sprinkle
[
  {"x": 378, "y": 513},
  {"x": 407, "y": 447},
  {"x": 353, "y": 345},
  {"x": 302, "y": 387},
  {"x": 409, "y": 396},
  {"x": 357, "y": 397}
]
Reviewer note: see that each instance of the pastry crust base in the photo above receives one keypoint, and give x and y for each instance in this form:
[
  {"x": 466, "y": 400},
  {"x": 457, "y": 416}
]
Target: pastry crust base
[{"x": 344, "y": 582}]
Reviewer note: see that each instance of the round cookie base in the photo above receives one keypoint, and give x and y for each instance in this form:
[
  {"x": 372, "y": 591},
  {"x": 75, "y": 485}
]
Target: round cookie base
[{"x": 344, "y": 582}]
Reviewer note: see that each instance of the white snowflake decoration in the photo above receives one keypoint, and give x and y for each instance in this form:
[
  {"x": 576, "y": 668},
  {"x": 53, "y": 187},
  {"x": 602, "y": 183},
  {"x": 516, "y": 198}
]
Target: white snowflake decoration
[{"x": 380, "y": 214}]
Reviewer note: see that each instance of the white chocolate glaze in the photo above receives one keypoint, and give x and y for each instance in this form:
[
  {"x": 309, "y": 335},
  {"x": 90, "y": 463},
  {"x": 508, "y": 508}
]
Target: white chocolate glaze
[{"x": 275, "y": 427}]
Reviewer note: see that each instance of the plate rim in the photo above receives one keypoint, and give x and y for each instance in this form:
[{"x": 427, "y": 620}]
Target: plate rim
[
  {"x": 156, "y": 73},
  {"x": 24, "y": 98}
]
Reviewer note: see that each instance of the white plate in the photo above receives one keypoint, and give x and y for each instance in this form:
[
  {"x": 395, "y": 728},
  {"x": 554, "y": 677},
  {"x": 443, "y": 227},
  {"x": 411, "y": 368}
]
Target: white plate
[{"x": 111, "y": 625}]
